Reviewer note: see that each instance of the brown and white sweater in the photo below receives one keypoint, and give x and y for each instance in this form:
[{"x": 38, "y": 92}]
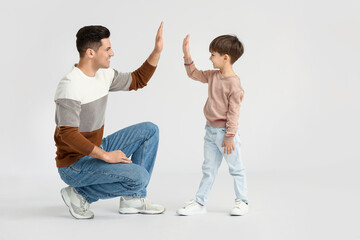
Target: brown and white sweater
[
  {"x": 80, "y": 108},
  {"x": 222, "y": 108}
]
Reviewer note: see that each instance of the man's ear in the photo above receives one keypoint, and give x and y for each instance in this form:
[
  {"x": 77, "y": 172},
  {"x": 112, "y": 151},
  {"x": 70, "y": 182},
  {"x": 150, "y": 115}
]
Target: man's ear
[{"x": 90, "y": 53}]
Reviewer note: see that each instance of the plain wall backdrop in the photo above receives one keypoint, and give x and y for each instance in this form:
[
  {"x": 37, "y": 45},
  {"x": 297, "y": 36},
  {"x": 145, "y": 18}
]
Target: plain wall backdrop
[
  {"x": 299, "y": 71},
  {"x": 299, "y": 121}
]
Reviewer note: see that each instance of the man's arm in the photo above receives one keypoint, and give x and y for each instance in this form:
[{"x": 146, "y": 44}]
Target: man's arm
[
  {"x": 155, "y": 55},
  {"x": 141, "y": 76},
  {"x": 67, "y": 119}
]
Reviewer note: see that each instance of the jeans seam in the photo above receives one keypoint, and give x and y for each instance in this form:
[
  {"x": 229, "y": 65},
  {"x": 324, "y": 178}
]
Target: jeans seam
[
  {"x": 107, "y": 174},
  {"x": 142, "y": 153},
  {"x": 136, "y": 141}
]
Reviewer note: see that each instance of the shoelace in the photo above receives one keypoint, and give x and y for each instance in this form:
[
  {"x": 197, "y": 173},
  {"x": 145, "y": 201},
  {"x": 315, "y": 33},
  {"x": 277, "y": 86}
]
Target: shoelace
[
  {"x": 238, "y": 204},
  {"x": 84, "y": 205},
  {"x": 145, "y": 202},
  {"x": 190, "y": 203}
]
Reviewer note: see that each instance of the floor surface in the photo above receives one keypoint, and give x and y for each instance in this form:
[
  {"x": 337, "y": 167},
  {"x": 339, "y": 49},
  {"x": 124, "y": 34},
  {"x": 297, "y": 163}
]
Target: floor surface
[{"x": 303, "y": 204}]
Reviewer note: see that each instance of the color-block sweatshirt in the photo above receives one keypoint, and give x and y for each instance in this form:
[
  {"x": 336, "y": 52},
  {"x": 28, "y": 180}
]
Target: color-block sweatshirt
[
  {"x": 222, "y": 108},
  {"x": 80, "y": 108}
]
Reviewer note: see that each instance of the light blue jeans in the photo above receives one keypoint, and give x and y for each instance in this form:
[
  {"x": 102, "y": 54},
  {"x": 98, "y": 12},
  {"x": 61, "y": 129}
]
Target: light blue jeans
[
  {"x": 96, "y": 179},
  {"x": 213, "y": 155}
]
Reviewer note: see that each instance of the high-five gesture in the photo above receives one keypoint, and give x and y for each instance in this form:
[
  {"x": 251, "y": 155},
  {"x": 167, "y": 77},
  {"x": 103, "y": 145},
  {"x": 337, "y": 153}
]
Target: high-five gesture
[
  {"x": 186, "y": 49},
  {"x": 155, "y": 55}
]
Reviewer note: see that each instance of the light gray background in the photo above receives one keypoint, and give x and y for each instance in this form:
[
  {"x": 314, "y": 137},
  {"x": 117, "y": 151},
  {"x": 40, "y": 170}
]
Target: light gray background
[{"x": 299, "y": 118}]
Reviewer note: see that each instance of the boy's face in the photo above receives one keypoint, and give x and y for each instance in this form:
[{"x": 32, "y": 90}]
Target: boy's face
[
  {"x": 103, "y": 54},
  {"x": 217, "y": 60}
]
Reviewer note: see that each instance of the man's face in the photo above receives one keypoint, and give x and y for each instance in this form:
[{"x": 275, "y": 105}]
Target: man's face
[
  {"x": 217, "y": 59},
  {"x": 103, "y": 54}
]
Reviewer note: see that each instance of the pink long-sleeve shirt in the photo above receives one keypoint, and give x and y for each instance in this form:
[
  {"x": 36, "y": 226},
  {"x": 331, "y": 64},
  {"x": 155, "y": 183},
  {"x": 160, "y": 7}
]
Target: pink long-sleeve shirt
[{"x": 225, "y": 94}]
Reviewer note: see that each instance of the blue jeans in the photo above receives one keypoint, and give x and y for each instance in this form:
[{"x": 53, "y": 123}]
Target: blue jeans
[
  {"x": 96, "y": 179},
  {"x": 213, "y": 155}
]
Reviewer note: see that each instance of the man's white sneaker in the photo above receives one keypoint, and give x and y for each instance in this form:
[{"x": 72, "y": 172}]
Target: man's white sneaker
[
  {"x": 240, "y": 208},
  {"x": 139, "y": 205},
  {"x": 78, "y": 206},
  {"x": 191, "y": 208}
]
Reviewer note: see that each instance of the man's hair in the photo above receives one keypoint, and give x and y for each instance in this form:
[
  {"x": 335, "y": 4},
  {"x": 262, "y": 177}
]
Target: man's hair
[
  {"x": 90, "y": 37},
  {"x": 227, "y": 44}
]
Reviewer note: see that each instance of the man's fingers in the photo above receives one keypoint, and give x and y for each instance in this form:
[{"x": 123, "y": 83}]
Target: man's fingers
[
  {"x": 126, "y": 160},
  {"x": 160, "y": 30}
]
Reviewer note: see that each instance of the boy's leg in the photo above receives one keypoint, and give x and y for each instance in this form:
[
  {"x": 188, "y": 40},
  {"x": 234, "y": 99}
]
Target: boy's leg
[
  {"x": 237, "y": 170},
  {"x": 212, "y": 161},
  {"x": 95, "y": 179}
]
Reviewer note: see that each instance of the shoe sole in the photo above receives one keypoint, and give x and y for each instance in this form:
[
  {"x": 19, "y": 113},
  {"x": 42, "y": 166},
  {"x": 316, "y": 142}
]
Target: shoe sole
[
  {"x": 67, "y": 202},
  {"x": 190, "y": 214},
  {"x": 238, "y": 214},
  {"x": 136, "y": 211}
]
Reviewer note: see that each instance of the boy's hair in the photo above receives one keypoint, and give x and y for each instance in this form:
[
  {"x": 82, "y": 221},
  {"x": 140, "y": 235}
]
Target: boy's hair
[
  {"x": 227, "y": 44},
  {"x": 90, "y": 37}
]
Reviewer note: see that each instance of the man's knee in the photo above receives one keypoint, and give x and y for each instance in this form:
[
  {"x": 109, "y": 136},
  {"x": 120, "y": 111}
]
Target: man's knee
[{"x": 152, "y": 127}]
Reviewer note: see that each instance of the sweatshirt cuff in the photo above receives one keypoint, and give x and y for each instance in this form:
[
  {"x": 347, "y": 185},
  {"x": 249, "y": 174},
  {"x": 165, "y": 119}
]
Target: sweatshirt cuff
[{"x": 228, "y": 139}]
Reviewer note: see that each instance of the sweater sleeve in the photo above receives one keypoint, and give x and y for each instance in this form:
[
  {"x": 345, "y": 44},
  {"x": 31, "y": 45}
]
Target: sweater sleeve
[
  {"x": 132, "y": 80},
  {"x": 74, "y": 139},
  {"x": 194, "y": 73},
  {"x": 232, "y": 115},
  {"x": 68, "y": 120},
  {"x": 141, "y": 76}
]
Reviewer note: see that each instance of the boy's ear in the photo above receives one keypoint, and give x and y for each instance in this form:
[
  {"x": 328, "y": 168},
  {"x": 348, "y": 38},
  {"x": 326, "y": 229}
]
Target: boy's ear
[{"x": 226, "y": 57}]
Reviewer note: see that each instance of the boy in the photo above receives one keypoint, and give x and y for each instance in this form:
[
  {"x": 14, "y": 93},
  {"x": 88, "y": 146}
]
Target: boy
[{"x": 222, "y": 112}]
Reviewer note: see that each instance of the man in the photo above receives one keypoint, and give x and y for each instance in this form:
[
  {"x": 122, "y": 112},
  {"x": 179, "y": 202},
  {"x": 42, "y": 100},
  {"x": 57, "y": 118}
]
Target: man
[{"x": 96, "y": 168}]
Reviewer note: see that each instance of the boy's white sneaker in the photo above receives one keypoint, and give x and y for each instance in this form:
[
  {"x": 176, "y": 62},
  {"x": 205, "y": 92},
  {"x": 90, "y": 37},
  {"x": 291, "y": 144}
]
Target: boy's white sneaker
[
  {"x": 78, "y": 206},
  {"x": 240, "y": 208},
  {"x": 139, "y": 205},
  {"x": 191, "y": 208}
]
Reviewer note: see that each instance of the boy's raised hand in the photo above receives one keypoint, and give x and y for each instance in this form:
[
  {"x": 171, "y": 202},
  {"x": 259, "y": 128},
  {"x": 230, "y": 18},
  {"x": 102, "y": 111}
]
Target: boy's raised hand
[{"x": 186, "y": 49}]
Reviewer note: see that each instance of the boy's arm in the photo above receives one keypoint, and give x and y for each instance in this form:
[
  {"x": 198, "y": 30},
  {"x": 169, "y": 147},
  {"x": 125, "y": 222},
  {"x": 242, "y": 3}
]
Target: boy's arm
[
  {"x": 232, "y": 117},
  {"x": 191, "y": 70},
  {"x": 233, "y": 114}
]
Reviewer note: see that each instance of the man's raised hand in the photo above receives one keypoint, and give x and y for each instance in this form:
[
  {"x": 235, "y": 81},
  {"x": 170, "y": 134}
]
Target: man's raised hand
[{"x": 159, "y": 39}]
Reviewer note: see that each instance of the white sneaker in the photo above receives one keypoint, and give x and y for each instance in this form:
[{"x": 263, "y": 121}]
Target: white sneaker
[
  {"x": 240, "y": 208},
  {"x": 139, "y": 205},
  {"x": 191, "y": 208},
  {"x": 78, "y": 206}
]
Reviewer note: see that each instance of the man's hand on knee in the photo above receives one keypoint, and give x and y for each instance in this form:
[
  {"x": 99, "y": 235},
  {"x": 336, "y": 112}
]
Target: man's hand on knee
[
  {"x": 111, "y": 157},
  {"x": 116, "y": 157}
]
